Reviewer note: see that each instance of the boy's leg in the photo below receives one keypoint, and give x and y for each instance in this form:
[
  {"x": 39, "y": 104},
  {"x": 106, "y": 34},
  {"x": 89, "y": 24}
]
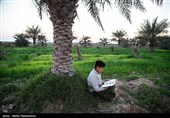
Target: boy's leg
[{"x": 108, "y": 93}]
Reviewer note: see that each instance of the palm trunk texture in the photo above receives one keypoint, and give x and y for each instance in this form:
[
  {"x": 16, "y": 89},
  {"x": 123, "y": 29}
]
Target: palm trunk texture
[{"x": 62, "y": 14}]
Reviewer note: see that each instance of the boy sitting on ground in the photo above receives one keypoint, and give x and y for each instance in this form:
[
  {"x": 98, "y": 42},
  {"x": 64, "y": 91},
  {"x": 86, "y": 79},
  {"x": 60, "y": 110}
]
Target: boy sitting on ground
[{"x": 95, "y": 82}]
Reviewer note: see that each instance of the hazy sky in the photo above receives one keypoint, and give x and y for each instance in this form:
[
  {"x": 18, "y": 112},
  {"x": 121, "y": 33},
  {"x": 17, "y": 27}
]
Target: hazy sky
[{"x": 16, "y": 15}]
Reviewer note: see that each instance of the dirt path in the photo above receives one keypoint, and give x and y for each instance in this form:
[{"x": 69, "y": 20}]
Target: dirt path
[{"x": 124, "y": 102}]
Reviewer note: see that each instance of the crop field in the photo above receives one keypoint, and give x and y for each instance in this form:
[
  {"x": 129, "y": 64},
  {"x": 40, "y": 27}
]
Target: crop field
[{"x": 25, "y": 74}]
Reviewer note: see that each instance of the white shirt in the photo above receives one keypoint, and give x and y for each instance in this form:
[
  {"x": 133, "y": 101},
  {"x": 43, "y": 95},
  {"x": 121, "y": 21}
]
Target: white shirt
[{"x": 94, "y": 81}]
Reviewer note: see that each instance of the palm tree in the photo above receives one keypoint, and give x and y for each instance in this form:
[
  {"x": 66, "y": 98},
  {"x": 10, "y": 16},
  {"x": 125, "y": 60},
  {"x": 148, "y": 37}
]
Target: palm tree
[
  {"x": 120, "y": 34},
  {"x": 152, "y": 31},
  {"x": 104, "y": 41},
  {"x": 62, "y": 14},
  {"x": 33, "y": 32},
  {"x": 142, "y": 41},
  {"x": 21, "y": 39},
  {"x": 42, "y": 39},
  {"x": 85, "y": 41}
]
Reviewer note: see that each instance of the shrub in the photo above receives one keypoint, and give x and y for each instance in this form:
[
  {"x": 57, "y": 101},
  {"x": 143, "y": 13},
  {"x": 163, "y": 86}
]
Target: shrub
[
  {"x": 2, "y": 54},
  {"x": 8, "y": 44},
  {"x": 165, "y": 43},
  {"x": 21, "y": 42},
  {"x": 124, "y": 43}
]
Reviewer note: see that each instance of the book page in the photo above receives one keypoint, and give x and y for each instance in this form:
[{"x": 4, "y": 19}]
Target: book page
[{"x": 108, "y": 83}]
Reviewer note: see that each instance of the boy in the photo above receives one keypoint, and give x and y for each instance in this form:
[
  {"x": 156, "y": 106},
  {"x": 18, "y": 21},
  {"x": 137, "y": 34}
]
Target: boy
[{"x": 94, "y": 82}]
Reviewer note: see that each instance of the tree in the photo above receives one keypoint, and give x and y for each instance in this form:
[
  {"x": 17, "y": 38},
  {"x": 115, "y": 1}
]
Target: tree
[
  {"x": 85, "y": 41},
  {"x": 21, "y": 40},
  {"x": 33, "y": 33},
  {"x": 120, "y": 34},
  {"x": 124, "y": 42},
  {"x": 142, "y": 41},
  {"x": 104, "y": 41},
  {"x": 165, "y": 43},
  {"x": 152, "y": 31},
  {"x": 42, "y": 39},
  {"x": 62, "y": 14}
]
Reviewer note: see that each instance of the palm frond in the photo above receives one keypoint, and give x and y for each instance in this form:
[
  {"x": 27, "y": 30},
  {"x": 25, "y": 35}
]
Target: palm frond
[
  {"x": 155, "y": 28},
  {"x": 33, "y": 31},
  {"x": 19, "y": 36},
  {"x": 162, "y": 26},
  {"x": 86, "y": 37},
  {"x": 103, "y": 3},
  {"x": 138, "y": 4},
  {"x": 124, "y": 7},
  {"x": 154, "y": 25},
  {"x": 88, "y": 41},
  {"x": 41, "y": 7},
  {"x": 93, "y": 8},
  {"x": 158, "y": 2}
]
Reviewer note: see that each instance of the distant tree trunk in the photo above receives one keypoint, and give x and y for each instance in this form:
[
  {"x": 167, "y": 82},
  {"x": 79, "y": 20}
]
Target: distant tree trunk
[
  {"x": 42, "y": 43},
  {"x": 152, "y": 45},
  {"x": 112, "y": 48},
  {"x": 136, "y": 52},
  {"x": 79, "y": 53},
  {"x": 85, "y": 44},
  {"x": 104, "y": 44},
  {"x": 119, "y": 41},
  {"x": 34, "y": 41}
]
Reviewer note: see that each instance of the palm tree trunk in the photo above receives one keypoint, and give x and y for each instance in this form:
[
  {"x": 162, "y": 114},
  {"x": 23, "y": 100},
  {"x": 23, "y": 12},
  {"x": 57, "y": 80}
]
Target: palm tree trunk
[
  {"x": 119, "y": 41},
  {"x": 151, "y": 45},
  {"x": 34, "y": 41},
  {"x": 62, "y": 14},
  {"x": 63, "y": 59},
  {"x": 85, "y": 44},
  {"x": 79, "y": 53},
  {"x": 41, "y": 44}
]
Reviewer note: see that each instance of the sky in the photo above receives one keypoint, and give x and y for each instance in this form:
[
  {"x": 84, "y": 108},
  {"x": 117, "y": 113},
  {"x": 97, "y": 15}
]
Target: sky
[{"x": 17, "y": 15}]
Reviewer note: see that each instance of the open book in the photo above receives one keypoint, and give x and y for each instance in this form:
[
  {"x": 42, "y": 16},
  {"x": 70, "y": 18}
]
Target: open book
[{"x": 108, "y": 83}]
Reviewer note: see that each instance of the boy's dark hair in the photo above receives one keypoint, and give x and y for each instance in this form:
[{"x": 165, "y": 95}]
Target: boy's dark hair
[{"x": 99, "y": 63}]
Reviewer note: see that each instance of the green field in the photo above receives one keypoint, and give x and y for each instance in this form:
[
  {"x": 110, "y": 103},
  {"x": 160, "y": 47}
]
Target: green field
[{"x": 26, "y": 74}]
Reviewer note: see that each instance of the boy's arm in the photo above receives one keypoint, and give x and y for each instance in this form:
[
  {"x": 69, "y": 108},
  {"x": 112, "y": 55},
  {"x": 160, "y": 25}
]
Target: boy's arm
[{"x": 96, "y": 86}]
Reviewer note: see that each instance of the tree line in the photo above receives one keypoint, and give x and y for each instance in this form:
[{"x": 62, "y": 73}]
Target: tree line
[
  {"x": 34, "y": 33},
  {"x": 152, "y": 34}
]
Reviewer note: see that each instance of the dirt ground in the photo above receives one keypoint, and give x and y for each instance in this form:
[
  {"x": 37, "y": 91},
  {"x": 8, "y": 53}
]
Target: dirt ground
[{"x": 124, "y": 102}]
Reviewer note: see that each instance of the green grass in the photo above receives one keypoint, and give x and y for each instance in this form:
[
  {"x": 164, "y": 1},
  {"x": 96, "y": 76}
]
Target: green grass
[
  {"x": 26, "y": 74},
  {"x": 46, "y": 86}
]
